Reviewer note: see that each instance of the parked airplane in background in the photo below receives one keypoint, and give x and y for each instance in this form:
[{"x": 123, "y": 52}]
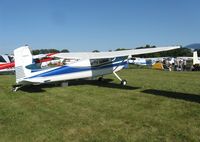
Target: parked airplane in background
[
  {"x": 6, "y": 64},
  {"x": 5, "y": 59},
  {"x": 140, "y": 61},
  {"x": 44, "y": 59},
  {"x": 75, "y": 65},
  {"x": 149, "y": 61}
]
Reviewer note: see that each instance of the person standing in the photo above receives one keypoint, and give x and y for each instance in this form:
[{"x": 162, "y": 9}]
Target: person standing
[{"x": 184, "y": 65}]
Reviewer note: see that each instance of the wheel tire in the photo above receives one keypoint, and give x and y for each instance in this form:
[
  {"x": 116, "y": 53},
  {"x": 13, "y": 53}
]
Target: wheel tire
[
  {"x": 123, "y": 82},
  {"x": 12, "y": 89},
  {"x": 100, "y": 79}
]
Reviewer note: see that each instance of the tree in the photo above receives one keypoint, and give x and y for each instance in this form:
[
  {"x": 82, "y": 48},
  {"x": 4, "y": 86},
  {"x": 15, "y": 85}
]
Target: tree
[
  {"x": 147, "y": 46},
  {"x": 53, "y": 51},
  {"x": 198, "y": 51},
  {"x": 64, "y": 51},
  {"x": 44, "y": 51},
  {"x": 95, "y": 51},
  {"x": 119, "y": 49},
  {"x": 35, "y": 52}
]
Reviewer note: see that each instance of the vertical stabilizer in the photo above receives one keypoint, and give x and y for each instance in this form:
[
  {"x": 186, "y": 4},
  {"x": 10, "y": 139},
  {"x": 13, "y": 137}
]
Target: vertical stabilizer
[
  {"x": 23, "y": 57},
  {"x": 195, "y": 58}
]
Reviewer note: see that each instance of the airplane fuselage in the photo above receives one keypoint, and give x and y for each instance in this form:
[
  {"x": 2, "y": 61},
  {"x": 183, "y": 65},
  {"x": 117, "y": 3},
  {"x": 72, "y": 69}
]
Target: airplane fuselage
[{"x": 78, "y": 70}]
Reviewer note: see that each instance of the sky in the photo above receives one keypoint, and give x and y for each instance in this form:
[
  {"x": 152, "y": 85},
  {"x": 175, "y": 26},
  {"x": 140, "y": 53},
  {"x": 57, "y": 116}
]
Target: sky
[{"x": 87, "y": 25}]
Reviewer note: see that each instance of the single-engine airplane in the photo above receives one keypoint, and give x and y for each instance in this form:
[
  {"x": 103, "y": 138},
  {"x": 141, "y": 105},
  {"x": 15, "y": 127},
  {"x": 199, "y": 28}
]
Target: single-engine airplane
[{"x": 77, "y": 66}]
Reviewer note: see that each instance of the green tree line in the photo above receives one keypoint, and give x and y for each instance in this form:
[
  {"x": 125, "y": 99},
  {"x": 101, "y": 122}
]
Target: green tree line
[
  {"x": 46, "y": 51},
  {"x": 181, "y": 52}
]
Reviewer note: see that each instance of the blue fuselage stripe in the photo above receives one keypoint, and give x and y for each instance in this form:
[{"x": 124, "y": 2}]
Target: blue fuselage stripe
[{"x": 67, "y": 69}]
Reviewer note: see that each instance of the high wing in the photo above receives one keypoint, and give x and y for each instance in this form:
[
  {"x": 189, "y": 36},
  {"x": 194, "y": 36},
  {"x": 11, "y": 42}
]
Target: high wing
[{"x": 99, "y": 55}]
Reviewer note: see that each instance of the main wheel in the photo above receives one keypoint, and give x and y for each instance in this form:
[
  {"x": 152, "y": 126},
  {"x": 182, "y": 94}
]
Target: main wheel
[
  {"x": 100, "y": 79},
  {"x": 123, "y": 82}
]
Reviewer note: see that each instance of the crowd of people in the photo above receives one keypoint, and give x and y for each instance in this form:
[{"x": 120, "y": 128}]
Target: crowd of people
[{"x": 178, "y": 64}]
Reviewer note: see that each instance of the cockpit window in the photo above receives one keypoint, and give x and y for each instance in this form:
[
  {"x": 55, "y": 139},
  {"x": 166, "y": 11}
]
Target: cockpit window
[{"x": 2, "y": 59}]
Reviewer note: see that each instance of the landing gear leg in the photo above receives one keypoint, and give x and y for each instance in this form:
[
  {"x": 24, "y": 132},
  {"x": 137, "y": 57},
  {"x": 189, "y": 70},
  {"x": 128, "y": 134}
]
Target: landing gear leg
[{"x": 123, "y": 82}]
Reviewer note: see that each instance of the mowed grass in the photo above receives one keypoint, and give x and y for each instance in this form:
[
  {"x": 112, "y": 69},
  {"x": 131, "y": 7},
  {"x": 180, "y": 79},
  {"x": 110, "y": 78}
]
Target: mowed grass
[{"x": 154, "y": 106}]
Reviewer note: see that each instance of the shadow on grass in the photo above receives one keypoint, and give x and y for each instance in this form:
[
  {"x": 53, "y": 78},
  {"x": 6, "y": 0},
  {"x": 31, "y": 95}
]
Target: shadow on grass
[
  {"x": 7, "y": 73},
  {"x": 107, "y": 83},
  {"x": 175, "y": 95},
  {"x": 36, "y": 88}
]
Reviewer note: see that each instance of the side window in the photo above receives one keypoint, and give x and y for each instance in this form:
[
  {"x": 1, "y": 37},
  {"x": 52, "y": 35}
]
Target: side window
[
  {"x": 2, "y": 59},
  {"x": 102, "y": 61},
  {"x": 98, "y": 62},
  {"x": 94, "y": 62}
]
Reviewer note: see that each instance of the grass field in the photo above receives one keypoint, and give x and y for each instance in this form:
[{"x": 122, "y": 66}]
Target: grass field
[{"x": 154, "y": 106}]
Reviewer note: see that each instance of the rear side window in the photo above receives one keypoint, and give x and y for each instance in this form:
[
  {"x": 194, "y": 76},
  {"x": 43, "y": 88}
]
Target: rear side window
[{"x": 98, "y": 62}]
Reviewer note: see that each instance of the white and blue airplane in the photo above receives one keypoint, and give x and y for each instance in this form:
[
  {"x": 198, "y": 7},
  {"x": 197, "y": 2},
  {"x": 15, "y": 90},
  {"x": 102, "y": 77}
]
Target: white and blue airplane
[{"x": 82, "y": 65}]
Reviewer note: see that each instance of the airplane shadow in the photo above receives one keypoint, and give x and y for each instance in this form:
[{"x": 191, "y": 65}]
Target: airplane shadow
[
  {"x": 107, "y": 83},
  {"x": 7, "y": 73},
  {"x": 36, "y": 88},
  {"x": 174, "y": 95}
]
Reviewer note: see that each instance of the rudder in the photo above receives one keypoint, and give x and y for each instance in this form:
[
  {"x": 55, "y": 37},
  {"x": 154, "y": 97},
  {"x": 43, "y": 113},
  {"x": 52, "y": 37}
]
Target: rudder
[
  {"x": 23, "y": 57},
  {"x": 195, "y": 58}
]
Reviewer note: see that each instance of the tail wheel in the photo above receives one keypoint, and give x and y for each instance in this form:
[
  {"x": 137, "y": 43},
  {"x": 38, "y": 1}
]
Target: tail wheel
[
  {"x": 123, "y": 82},
  {"x": 15, "y": 88}
]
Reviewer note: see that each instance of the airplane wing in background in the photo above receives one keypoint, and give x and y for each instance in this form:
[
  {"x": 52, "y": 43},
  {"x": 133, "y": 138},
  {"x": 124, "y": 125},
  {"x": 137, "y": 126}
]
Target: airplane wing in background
[
  {"x": 113, "y": 54},
  {"x": 7, "y": 65},
  {"x": 40, "y": 56}
]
